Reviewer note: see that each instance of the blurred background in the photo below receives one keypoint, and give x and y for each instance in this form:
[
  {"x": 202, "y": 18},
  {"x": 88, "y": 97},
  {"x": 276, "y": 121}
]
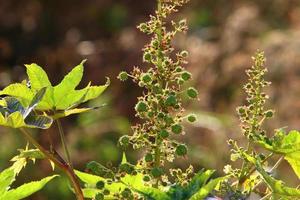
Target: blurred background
[{"x": 222, "y": 37}]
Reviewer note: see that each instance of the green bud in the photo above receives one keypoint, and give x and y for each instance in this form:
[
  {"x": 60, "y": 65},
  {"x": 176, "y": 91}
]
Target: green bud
[
  {"x": 171, "y": 100},
  {"x": 146, "y": 78},
  {"x": 186, "y": 75},
  {"x": 156, "y": 172},
  {"x": 181, "y": 150},
  {"x": 176, "y": 128},
  {"x": 146, "y": 178},
  {"x": 192, "y": 93},
  {"x": 148, "y": 157},
  {"x": 99, "y": 196},
  {"x": 141, "y": 106},
  {"x": 123, "y": 76},
  {"x": 150, "y": 114},
  {"x": 164, "y": 133},
  {"x": 192, "y": 118},
  {"x": 100, "y": 185}
]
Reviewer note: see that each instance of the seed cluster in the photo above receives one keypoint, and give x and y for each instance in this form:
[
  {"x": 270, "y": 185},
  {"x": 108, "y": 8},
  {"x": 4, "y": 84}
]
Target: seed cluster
[{"x": 160, "y": 107}]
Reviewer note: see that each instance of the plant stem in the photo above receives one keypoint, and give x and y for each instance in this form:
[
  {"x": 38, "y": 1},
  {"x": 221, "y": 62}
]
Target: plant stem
[
  {"x": 159, "y": 66},
  {"x": 65, "y": 167},
  {"x": 63, "y": 142}
]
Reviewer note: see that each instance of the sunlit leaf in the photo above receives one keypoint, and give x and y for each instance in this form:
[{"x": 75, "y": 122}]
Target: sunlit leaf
[
  {"x": 20, "y": 91},
  {"x": 67, "y": 85},
  {"x": 207, "y": 189},
  {"x": 26, "y": 190},
  {"x": 6, "y": 178},
  {"x": 288, "y": 145},
  {"x": 37, "y": 77},
  {"x": 277, "y": 186}
]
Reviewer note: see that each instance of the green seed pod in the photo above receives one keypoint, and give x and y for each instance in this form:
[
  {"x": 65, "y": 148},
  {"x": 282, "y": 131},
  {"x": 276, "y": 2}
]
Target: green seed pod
[
  {"x": 241, "y": 110},
  {"x": 146, "y": 178},
  {"x": 147, "y": 57},
  {"x": 192, "y": 93},
  {"x": 141, "y": 106},
  {"x": 106, "y": 192},
  {"x": 124, "y": 141},
  {"x": 176, "y": 128},
  {"x": 143, "y": 27},
  {"x": 269, "y": 113},
  {"x": 171, "y": 100},
  {"x": 148, "y": 157},
  {"x": 191, "y": 118},
  {"x": 146, "y": 78},
  {"x": 99, "y": 196},
  {"x": 126, "y": 193},
  {"x": 156, "y": 172},
  {"x": 123, "y": 76},
  {"x": 186, "y": 75},
  {"x": 164, "y": 134},
  {"x": 178, "y": 69},
  {"x": 100, "y": 184},
  {"x": 150, "y": 114},
  {"x": 184, "y": 54},
  {"x": 168, "y": 119},
  {"x": 181, "y": 150},
  {"x": 126, "y": 167}
]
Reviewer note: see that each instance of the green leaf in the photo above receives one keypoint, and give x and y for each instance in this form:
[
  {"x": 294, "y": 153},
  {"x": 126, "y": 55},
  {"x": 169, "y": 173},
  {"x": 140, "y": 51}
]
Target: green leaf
[
  {"x": 65, "y": 113},
  {"x": 288, "y": 145},
  {"x": 277, "y": 186},
  {"x": 205, "y": 190},
  {"x": 7, "y": 177},
  {"x": 34, "y": 102},
  {"x": 16, "y": 116},
  {"x": 88, "y": 178},
  {"x": 37, "y": 77},
  {"x": 68, "y": 84},
  {"x": 26, "y": 190},
  {"x": 15, "y": 120},
  {"x": 20, "y": 91}
]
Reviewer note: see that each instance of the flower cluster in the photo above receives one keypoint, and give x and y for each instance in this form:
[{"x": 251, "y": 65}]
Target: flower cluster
[
  {"x": 160, "y": 108},
  {"x": 253, "y": 114}
]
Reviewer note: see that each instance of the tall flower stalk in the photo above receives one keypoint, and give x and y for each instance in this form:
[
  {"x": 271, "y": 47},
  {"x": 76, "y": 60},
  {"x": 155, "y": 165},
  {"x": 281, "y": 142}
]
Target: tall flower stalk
[{"x": 160, "y": 108}]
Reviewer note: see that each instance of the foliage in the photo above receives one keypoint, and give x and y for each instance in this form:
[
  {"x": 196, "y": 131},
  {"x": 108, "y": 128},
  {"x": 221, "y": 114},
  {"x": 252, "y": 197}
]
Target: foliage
[
  {"x": 36, "y": 104},
  {"x": 8, "y": 176}
]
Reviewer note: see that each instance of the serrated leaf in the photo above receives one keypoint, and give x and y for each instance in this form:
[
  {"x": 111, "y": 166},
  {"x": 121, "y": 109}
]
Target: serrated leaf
[
  {"x": 26, "y": 190},
  {"x": 34, "y": 102},
  {"x": 7, "y": 177},
  {"x": 38, "y": 121},
  {"x": 206, "y": 189},
  {"x": 288, "y": 145},
  {"x": 15, "y": 120},
  {"x": 37, "y": 76},
  {"x": 20, "y": 91},
  {"x": 277, "y": 186},
  {"x": 65, "y": 113},
  {"x": 68, "y": 84}
]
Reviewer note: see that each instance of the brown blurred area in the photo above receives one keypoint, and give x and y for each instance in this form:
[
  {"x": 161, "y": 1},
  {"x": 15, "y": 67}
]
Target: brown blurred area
[{"x": 222, "y": 38}]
